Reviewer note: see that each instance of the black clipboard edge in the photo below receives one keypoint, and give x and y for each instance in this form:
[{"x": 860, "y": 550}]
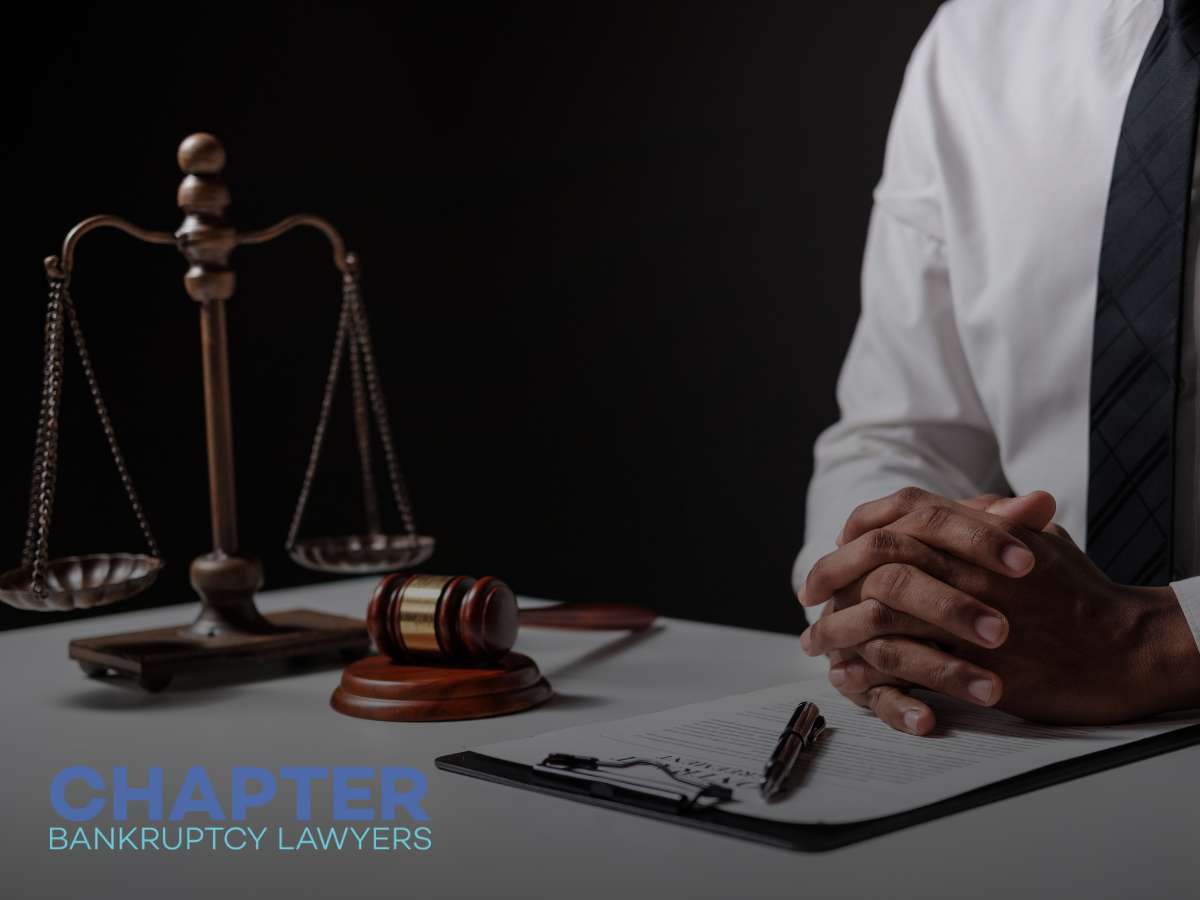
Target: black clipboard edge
[{"x": 810, "y": 838}]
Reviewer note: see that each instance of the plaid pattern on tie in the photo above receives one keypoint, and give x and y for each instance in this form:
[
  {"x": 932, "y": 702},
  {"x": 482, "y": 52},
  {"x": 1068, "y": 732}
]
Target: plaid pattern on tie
[{"x": 1135, "y": 354}]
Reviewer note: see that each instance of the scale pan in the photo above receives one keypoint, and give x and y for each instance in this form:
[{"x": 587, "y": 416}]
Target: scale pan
[
  {"x": 362, "y": 554},
  {"x": 81, "y": 582}
]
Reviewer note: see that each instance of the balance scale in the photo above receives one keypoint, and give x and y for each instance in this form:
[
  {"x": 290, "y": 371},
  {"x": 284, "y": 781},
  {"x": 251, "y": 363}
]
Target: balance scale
[{"x": 229, "y": 629}]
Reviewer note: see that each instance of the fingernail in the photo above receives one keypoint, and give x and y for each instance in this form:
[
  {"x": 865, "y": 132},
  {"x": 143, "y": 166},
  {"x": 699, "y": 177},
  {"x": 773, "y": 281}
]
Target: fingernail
[
  {"x": 841, "y": 538},
  {"x": 806, "y": 641},
  {"x": 1017, "y": 559},
  {"x": 911, "y": 718},
  {"x": 837, "y": 677},
  {"x": 802, "y": 594},
  {"x": 981, "y": 690},
  {"x": 990, "y": 628}
]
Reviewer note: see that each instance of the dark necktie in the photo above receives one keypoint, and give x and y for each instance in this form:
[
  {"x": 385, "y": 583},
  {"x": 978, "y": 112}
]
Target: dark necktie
[{"x": 1135, "y": 355}]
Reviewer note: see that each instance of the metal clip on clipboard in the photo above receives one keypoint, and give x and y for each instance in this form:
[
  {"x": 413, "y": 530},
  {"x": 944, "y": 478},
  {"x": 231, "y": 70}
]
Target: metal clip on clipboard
[
  {"x": 704, "y": 795},
  {"x": 802, "y": 730}
]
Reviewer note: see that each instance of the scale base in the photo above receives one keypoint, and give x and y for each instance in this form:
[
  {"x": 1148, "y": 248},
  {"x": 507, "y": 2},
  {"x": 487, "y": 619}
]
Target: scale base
[{"x": 153, "y": 658}]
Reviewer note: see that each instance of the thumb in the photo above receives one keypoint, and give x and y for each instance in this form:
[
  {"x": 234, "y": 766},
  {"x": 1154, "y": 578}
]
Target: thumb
[{"x": 1033, "y": 510}]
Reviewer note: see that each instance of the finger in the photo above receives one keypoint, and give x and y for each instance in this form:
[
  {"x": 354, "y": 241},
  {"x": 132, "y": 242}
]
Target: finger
[
  {"x": 840, "y": 574},
  {"x": 974, "y": 537},
  {"x": 856, "y": 680},
  {"x": 982, "y": 502},
  {"x": 837, "y": 655},
  {"x": 931, "y": 668},
  {"x": 1058, "y": 531},
  {"x": 898, "y": 709},
  {"x": 884, "y": 511},
  {"x": 984, "y": 540},
  {"x": 970, "y": 580},
  {"x": 908, "y": 589},
  {"x": 862, "y": 622},
  {"x": 1033, "y": 510},
  {"x": 837, "y": 571},
  {"x": 855, "y": 676},
  {"x": 846, "y": 597}
]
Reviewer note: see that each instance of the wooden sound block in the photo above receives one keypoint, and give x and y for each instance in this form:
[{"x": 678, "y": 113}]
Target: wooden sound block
[{"x": 387, "y": 691}]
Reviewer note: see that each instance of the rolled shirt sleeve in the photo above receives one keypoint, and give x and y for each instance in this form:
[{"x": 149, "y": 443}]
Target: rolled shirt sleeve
[
  {"x": 1188, "y": 592},
  {"x": 910, "y": 413}
]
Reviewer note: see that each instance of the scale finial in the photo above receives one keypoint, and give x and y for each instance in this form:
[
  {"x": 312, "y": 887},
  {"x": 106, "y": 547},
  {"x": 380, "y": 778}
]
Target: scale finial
[
  {"x": 202, "y": 192},
  {"x": 201, "y": 154}
]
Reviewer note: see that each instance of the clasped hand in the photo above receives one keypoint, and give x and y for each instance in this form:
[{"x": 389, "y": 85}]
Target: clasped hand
[{"x": 986, "y": 600}]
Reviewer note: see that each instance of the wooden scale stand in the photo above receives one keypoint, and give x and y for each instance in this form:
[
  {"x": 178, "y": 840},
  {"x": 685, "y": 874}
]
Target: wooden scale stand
[
  {"x": 229, "y": 628},
  {"x": 444, "y": 640}
]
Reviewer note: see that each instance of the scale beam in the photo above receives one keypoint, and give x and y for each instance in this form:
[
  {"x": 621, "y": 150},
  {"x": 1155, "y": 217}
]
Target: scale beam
[
  {"x": 59, "y": 267},
  {"x": 343, "y": 260}
]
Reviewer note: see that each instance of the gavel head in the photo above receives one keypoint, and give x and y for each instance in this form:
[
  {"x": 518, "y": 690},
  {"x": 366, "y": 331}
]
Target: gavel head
[{"x": 448, "y": 617}]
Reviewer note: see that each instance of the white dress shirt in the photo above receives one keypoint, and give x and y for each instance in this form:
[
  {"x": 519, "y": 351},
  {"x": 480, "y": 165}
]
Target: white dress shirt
[{"x": 970, "y": 368}]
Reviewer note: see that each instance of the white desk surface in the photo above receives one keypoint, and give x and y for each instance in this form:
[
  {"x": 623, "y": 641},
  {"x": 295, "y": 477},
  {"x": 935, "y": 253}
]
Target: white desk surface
[{"x": 1133, "y": 831}]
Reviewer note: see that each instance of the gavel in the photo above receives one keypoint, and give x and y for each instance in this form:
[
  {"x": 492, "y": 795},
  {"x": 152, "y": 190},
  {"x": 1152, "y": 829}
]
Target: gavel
[{"x": 456, "y": 618}]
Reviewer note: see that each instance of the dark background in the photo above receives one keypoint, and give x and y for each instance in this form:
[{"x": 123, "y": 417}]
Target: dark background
[{"x": 610, "y": 257}]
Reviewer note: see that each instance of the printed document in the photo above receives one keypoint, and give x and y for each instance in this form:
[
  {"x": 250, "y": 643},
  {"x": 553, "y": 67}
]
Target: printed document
[{"x": 859, "y": 769}]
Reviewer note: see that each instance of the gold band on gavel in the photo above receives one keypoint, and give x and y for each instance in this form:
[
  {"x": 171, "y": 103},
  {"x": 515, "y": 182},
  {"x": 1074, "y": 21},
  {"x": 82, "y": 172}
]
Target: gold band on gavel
[{"x": 417, "y": 612}]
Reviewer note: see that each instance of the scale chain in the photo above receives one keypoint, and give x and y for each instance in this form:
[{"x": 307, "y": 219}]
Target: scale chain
[
  {"x": 362, "y": 428},
  {"x": 352, "y": 326},
  {"x": 46, "y": 449},
  {"x": 314, "y": 455},
  {"x": 379, "y": 406},
  {"x": 110, "y": 433},
  {"x": 27, "y": 552}
]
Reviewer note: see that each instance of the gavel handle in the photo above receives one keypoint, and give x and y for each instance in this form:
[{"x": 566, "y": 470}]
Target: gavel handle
[{"x": 590, "y": 617}]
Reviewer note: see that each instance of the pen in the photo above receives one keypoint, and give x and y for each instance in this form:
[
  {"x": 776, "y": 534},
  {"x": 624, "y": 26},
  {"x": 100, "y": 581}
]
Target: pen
[{"x": 803, "y": 729}]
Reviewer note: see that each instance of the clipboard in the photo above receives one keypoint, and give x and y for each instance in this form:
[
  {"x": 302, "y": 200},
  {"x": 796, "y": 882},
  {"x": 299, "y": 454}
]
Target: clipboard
[{"x": 800, "y": 836}]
